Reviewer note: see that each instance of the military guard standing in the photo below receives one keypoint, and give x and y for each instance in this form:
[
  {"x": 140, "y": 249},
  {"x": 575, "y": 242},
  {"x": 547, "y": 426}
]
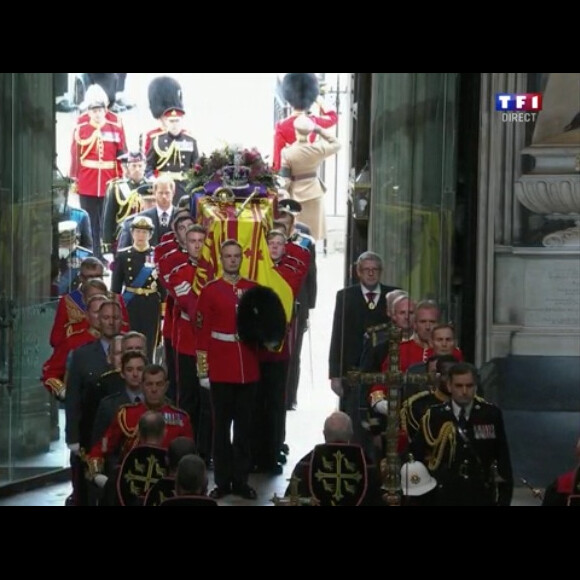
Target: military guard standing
[
  {"x": 164, "y": 93},
  {"x": 135, "y": 276},
  {"x": 173, "y": 152},
  {"x": 301, "y": 90},
  {"x": 98, "y": 141},
  {"x": 464, "y": 445},
  {"x": 124, "y": 198}
]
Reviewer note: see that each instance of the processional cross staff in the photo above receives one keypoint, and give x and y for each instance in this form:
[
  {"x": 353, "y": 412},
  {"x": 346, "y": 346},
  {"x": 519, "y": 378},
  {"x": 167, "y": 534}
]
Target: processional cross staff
[{"x": 395, "y": 381}]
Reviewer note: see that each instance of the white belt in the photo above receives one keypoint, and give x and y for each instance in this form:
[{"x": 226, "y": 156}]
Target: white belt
[
  {"x": 225, "y": 337},
  {"x": 185, "y": 317}
]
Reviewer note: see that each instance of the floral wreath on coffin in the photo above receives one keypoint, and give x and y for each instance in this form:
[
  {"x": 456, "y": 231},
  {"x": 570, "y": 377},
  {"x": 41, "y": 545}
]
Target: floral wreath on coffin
[{"x": 243, "y": 171}]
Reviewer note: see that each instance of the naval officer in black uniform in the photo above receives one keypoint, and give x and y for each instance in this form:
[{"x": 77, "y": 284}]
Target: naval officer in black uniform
[{"x": 464, "y": 445}]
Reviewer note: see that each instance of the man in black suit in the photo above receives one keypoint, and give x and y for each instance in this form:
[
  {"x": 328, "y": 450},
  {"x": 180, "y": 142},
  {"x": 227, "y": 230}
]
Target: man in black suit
[
  {"x": 161, "y": 215},
  {"x": 357, "y": 308},
  {"x": 86, "y": 365},
  {"x": 133, "y": 363}
]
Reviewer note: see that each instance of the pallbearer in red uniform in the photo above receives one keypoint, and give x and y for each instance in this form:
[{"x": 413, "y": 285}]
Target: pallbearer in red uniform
[
  {"x": 301, "y": 90},
  {"x": 123, "y": 431},
  {"x": 98, "y": 142},
  {"x": 269, "y": 424},
  {"x": 191, "y": 397},
  {"x": 169, "y": 255},
  {"x": 232, "y": 369}
]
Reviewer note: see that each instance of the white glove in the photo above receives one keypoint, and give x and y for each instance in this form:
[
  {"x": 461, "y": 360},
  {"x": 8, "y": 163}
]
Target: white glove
[
  {"x": 336, "y": 386},
  {"x": 205, "y": 384},
  {"x": 382, "y": 407},
  {"x": 100, "y": 480},
  {"x": 61, "y": 396},
  {"x": 74, "y": 448}
]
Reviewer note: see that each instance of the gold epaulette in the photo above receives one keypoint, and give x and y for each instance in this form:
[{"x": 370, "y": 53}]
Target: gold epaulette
[
  {"x": 413, "y": 398},
  {"x": 109, "y": 373}
]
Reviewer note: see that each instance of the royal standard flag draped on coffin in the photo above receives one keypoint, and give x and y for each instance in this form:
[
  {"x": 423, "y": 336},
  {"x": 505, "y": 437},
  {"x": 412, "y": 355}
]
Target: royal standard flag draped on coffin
[{"x": 224, "y": 221}]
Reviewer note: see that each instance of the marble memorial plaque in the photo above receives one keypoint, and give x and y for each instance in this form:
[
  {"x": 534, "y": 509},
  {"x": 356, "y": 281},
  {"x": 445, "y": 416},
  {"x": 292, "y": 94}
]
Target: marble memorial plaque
[{"x": 552, "y": 293}]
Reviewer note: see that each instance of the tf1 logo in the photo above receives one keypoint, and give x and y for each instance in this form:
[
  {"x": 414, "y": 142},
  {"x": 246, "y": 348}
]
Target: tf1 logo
[{"x": 521, "y": 108}]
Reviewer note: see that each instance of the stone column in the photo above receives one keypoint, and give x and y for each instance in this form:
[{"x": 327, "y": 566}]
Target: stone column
[
  {"x": 27, "y": 155},
  {"x": 499, "y": 214}
]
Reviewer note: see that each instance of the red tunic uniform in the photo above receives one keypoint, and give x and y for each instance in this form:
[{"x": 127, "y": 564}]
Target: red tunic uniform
[
  {"x": 94, "y": 155},
  {"x": 227, "y": 360},
  {"x": 180, "y": 286},
  {"x": 122, "y": 432},
  {"x": 54, "y": 369},
  {"x": 166, "y": 263},
  {"x": 147, "y": 138},
  {"x": 410, "y": 353},
  {"x": 285, "y": 133},
  {"x": 71, "y": 316}
]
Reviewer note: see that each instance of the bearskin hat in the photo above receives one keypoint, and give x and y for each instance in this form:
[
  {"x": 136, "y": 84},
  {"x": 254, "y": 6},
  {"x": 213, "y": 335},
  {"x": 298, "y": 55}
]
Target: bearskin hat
[
  {"x": 300, "y": 90},
  {"x": 164, "y": 93},
  {"x": 261, "y": 318}
]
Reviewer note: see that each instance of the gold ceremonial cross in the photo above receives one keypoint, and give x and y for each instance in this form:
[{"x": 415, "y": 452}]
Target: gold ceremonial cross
[
  {"x": 148, "y": 479},
  {"x": 394, "y": 379},
  {"x": 343, "y": 474}
]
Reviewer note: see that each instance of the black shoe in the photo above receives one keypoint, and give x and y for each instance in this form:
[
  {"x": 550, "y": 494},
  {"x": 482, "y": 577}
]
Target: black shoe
[
  {"x": 285, "y": 449},
  {"x": 245, "y": 491},
  {"x": 282, "y": 459},
  {"x": 219, "y": 492}
]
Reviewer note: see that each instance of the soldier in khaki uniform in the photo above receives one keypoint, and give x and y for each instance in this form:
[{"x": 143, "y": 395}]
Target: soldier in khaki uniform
[{"x": 300, "y": 164}]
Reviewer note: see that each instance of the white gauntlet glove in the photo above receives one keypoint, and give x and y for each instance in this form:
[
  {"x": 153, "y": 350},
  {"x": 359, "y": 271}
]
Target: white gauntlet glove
[
  {"x": 205, "y": 384},
  {"x": 100, "y": 480},
  {"x": 382, "y": 407}
]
